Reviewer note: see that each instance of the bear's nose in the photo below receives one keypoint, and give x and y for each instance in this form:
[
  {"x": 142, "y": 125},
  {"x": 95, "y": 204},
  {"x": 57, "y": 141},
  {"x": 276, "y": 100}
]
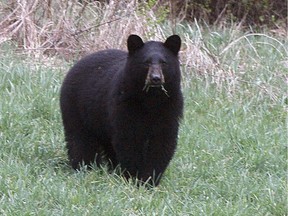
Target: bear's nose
[{"x": 156, "y": 79}]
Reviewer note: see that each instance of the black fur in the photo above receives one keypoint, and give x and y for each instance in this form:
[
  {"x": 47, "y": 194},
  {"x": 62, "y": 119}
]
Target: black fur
[{"x": 111, "y": 107}]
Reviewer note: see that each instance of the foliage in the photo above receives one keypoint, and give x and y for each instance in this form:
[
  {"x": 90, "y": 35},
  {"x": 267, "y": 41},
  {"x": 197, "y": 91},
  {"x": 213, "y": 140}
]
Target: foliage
[{"x": 249, "y": 13}]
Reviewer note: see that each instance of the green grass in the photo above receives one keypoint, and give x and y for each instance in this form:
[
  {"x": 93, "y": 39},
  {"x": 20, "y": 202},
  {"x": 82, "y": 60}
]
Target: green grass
[{"x": 231, "y": 158}]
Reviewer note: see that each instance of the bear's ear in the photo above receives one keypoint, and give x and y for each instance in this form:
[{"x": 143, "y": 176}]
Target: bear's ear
[
  {"x": 173, "y": 43},
  {"x": 134, "y": 42}
]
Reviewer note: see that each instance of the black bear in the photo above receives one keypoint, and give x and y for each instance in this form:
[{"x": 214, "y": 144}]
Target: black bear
[{"x": 125, "y": 107}]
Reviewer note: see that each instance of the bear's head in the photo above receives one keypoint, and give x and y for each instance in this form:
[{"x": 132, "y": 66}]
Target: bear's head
[{"x": 154, "y": 64}]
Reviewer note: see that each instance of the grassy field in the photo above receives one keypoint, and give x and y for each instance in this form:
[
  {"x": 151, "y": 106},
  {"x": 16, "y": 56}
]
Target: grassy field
[{"x": 232, "y": 152}]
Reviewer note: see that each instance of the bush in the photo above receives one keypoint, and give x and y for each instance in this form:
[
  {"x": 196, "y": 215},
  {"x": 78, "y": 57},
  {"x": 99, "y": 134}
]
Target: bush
[{"x": 248, "y": 12}]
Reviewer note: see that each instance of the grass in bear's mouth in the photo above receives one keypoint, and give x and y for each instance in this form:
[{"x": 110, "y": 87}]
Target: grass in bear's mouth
[{"x": 148, "y": 86}]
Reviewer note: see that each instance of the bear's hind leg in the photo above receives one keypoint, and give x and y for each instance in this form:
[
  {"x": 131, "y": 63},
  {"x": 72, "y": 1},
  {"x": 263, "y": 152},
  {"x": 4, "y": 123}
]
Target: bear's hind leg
[
  {"x": 110, "y": 155},
  {"x": 83, "y": 150}
]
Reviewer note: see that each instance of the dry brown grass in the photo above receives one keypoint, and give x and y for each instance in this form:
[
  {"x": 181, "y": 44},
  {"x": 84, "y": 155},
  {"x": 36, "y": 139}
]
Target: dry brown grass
[
  {"x": 67, "y": 28},
  {"x": 70, "y": 29}
]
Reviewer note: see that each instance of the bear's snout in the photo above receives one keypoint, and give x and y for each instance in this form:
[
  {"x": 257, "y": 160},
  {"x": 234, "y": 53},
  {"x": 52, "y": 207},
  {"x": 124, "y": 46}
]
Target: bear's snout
[{"x": 155, "y": 76}]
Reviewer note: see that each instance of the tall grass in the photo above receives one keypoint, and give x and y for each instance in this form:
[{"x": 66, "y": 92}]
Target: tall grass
[
  {"x": 232, "y": 152},
  {"x": 71, "y": 29},
  {"x": 231, "y": 158}
]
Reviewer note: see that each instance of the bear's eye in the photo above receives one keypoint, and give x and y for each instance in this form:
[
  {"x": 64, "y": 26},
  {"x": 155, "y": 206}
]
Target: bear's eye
[
  {"x": 147, "y": 63},
  {"x": 163, "y": 62}
]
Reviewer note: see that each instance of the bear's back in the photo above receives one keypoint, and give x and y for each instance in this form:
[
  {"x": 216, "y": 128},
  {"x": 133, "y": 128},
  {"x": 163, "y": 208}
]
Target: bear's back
[
  {"x": 103, "y": 61},
  {"x": 86, "y": 86}
]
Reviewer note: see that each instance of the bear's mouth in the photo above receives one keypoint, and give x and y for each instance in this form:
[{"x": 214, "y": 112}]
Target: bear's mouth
[{"x": 148, "y": 86}]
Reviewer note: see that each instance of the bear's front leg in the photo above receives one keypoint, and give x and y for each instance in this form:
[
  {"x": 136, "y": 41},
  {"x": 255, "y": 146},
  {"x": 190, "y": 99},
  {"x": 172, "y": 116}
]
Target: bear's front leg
[
  {"x": 128, "y": 133},
  {"x": 144, "y": 143},
  {"x": 158, "y": 155},
  {"x": 143, "y": 158},
  {"x": 129, "y": 151}
]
